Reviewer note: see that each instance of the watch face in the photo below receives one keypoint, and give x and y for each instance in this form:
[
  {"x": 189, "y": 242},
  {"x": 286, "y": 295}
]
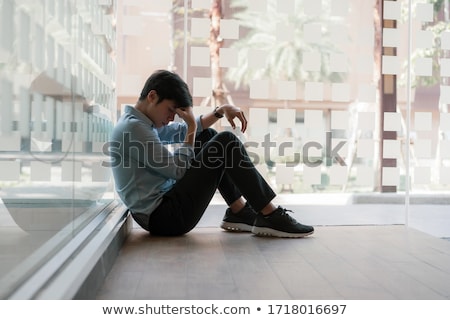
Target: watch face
[{"x": 217, "y": 114}]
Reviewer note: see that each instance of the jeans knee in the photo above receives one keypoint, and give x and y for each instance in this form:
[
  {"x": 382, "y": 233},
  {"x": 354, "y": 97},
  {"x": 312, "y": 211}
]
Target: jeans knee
[{"x": 227, "y": 136}]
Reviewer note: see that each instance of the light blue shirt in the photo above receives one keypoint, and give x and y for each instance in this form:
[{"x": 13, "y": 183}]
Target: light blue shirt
[{"x": 144, "y": 168}]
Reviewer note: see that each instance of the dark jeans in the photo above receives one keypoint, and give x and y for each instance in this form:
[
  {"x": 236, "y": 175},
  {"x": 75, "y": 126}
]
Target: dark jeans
[{"x": 222, "y": 163}]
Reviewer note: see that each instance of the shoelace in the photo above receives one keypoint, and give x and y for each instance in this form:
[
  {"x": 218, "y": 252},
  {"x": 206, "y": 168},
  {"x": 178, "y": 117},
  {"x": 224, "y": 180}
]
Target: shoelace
[{"x": 284, "y": 212}]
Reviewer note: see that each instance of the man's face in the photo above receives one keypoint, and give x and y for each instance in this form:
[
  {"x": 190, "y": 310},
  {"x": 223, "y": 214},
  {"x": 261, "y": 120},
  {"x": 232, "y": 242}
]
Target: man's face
[{"x": 166, "y": 113}]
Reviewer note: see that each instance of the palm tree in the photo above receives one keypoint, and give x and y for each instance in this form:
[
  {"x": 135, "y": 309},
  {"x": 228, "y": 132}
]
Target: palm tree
[
  {"x": 219, "y": 94},
  {"x": 378, "y": 48},
  {"x": 284, "y": 58}
]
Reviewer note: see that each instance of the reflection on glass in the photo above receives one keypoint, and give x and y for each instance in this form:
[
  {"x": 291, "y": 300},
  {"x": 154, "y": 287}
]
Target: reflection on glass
[{"x": 58, "y": 106}]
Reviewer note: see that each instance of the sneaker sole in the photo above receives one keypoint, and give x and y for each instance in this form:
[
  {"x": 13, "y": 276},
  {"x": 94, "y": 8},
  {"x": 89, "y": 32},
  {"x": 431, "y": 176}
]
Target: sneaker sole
[
  {"x": 268, "y": 232},
  {"x": 236, "y": 227}
]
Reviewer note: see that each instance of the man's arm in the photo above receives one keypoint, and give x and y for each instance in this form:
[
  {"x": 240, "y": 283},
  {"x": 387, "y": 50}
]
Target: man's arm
[
  {"x": 145, "y": 149},
  {"x": 188, "y": 116}
]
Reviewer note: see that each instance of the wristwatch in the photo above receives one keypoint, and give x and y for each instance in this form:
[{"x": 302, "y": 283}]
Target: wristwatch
[{"x": 217, "y": 114}]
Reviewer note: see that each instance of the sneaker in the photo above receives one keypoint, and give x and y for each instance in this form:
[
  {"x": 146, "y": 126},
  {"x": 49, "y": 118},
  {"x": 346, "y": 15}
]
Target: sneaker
[
  {"x": 239, "y": 222},
  {"x": 280, "y": 224}
]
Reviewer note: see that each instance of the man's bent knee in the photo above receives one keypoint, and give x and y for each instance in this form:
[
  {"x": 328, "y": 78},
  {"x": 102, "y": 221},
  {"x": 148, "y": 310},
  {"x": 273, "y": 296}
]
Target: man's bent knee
[{"x": 227, "y": 136}]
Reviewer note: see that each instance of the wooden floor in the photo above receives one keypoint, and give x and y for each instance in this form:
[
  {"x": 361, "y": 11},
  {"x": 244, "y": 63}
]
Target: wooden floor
[{"x": 337, "y": 262}]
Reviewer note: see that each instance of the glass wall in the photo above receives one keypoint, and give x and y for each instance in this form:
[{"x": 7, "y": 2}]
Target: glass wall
[
  {"x": 58, "y": 101},
  {"x": 347, "y": 100},
  {"x": 320, "y": 80}
]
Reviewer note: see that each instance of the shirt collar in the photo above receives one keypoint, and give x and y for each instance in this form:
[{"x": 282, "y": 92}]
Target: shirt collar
[{"x": 138, "y": 114}]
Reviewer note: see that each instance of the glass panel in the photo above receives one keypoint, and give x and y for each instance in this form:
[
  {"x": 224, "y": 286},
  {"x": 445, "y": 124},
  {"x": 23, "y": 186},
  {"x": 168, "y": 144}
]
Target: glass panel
[
  {"x": 53, "y": 125},
  {"x": 318, "y": 91},
  {"x": 332, "y": 104},
  {"x": 332, "y": 113},
  {"x": 429, "y": 134}
]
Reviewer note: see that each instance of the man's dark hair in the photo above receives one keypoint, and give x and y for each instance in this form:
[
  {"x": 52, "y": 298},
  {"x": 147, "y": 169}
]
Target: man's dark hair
[{"x": 168, "y": 85}]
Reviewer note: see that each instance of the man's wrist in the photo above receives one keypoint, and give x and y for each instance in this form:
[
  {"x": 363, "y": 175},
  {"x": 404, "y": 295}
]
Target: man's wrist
[{"x": 218, "y": 112}]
